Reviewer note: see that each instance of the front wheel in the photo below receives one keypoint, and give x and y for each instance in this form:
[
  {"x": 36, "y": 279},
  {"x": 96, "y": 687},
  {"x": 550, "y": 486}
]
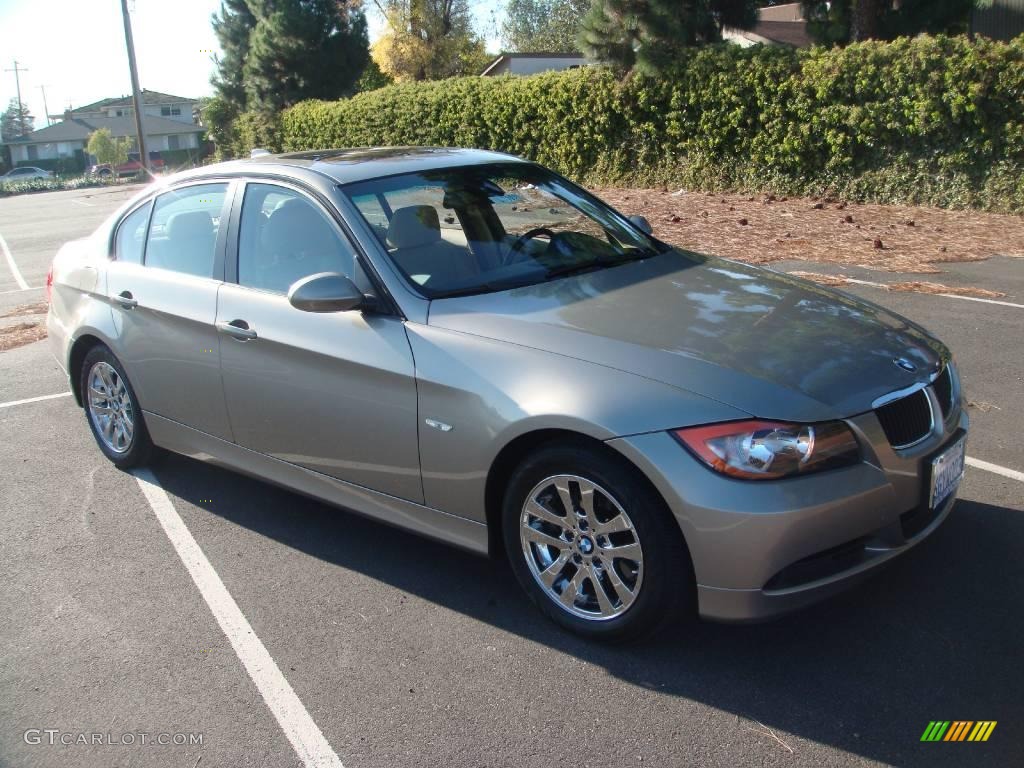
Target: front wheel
[
  {"x": 593, "y": 545},
  {"x": 113, "y": 411}
]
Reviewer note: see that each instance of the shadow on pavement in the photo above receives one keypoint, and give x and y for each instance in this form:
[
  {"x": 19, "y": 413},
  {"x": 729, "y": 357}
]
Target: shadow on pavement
[{"x": 938, "y": 634}]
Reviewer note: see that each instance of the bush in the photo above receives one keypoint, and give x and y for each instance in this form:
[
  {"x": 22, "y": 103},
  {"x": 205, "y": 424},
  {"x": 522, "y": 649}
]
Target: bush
[
  {"x": 933, "y": 120},
  {"x": 52, "y": 185}
]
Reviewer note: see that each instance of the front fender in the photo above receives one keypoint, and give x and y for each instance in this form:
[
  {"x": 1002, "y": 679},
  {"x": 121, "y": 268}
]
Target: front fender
[{"x": 491, "y": 392}]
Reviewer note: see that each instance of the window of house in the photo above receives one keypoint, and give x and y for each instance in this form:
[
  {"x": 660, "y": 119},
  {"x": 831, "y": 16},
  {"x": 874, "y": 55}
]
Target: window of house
[
  {"x": 183, "y": 232},
  {"x": 33, "y": 152},
  {"x": 284, "y": 237},
  {"x": 174, "y": 142}
]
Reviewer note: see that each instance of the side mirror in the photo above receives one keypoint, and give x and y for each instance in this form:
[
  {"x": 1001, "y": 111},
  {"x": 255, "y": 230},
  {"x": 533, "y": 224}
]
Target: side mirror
[
  {"x": 642, "y": 224},
  {"x": 326, "y": 292}
]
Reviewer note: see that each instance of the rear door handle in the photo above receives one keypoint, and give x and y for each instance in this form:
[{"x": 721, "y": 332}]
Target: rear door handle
[
  {"x": 124, "y": 298},
  {"x": 237, "y": 329}
]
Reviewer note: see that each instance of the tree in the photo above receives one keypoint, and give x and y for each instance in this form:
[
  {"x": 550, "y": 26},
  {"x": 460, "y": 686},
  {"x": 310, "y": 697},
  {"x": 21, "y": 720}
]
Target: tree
[
  {"x": 543, "y": 25},
  {"x": 16, "y": 121},
  {"x": 278, "y": 52},
  {"x": 372, "y": 78},
  {"x": 106, "y": 149},
  {"x": 233, "y": 27},
  {"x": 303, "y": 49},
  {"x": 428, "y": 40},
  {"x": 649, "y": 34},
  {"x": 843, "y": 21}
]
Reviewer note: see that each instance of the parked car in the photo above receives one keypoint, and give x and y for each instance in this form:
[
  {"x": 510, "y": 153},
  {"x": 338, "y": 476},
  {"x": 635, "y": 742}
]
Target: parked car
[
  {"x": 24, "y": 173},
  {"x": 131, "y": 168},
  {"x": 469, "y": 346}
]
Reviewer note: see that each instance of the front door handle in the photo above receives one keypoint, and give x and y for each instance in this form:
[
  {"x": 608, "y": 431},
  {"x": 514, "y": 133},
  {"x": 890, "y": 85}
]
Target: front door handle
[
  {"x": 125, "y": 299},
  {"x": 237, "y": 329}
]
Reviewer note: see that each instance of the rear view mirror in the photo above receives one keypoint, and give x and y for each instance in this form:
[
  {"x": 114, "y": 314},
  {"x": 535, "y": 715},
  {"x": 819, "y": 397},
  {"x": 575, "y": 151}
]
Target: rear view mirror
[
  {"x": 642, "y": 224},
  {"x": 325, "y": 292}
]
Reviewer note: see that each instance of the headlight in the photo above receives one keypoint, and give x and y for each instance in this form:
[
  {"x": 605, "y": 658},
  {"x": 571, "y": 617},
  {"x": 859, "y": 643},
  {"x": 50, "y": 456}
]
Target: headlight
[{"x": 766, "y": 450}]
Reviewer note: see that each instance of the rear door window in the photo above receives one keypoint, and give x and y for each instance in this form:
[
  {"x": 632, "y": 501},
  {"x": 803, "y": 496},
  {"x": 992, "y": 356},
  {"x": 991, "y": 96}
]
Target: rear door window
[{"x": 183, "y": 232}]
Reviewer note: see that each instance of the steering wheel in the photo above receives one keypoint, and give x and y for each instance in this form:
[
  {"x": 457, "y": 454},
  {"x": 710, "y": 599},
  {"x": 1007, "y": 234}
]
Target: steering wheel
[{"x": 521, "y": 241}]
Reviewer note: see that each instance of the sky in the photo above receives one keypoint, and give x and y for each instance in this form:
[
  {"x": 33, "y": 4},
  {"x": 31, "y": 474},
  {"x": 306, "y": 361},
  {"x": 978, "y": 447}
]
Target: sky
[{"x": 75, "y": 48}]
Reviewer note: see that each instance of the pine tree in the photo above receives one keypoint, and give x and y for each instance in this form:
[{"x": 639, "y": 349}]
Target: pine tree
[
  {"x": 16, "y": 121},
  {"x": 278, "y": 52},
  {"x": 304, "y": 49},
  {"x": 233, "y": 27},
  {"x": 648, "y": 35}
]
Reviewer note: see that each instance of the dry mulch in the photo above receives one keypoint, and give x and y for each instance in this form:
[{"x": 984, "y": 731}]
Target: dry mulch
[
  {"x": 764, "y": 228},
  {"x": 912, "y": 286},
  {"x": 20, "y": 334},
  {"x": 30, "y": 325}
]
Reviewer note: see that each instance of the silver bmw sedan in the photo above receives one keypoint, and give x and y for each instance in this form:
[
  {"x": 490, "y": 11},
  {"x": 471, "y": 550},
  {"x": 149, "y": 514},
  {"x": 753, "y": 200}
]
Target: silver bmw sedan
[{"x": 469, "y": 346}]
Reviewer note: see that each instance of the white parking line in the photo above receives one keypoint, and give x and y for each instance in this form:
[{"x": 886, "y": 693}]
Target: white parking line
[
  {"x": 20, "y": 290},
  {"x": 10, "y": 262},
  {"x": 885, "y": 287},
  {"x": 12, "y": 403},
  {"x": 291, "y": 715},
  {"x": 1013, "y": 474},
  {"x": 82, "y": 202}
]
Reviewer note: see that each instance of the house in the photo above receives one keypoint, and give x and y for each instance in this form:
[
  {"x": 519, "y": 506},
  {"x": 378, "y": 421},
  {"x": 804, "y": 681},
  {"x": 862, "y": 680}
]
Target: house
[
  {"x": 776, "y": 25},
  {"x": 154, "y": 103},
  {"x": 533, "y": 63},
  {"x": 167, "y": 121}
]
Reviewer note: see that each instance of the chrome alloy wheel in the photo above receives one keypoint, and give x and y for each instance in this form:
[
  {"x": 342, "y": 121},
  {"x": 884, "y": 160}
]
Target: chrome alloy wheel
[
  {"x": 581, "y": 547},
  {"x": 110, "y": 407}
]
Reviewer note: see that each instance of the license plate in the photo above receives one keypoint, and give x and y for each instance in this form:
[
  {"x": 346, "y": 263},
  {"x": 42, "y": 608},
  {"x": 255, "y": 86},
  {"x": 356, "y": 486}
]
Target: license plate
[{"x": 947, "y": 469}]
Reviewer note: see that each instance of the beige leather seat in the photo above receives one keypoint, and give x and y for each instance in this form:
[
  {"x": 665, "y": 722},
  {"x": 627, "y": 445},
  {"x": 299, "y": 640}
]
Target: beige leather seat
[{"x": 414, "y": 235}]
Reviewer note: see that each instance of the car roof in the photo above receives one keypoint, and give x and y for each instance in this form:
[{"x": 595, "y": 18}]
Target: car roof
[{"x": 345, "y": 166}]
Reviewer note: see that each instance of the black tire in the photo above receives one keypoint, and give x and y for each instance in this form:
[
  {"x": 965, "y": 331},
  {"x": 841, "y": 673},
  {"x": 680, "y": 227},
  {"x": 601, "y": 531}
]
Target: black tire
[
  {"x": 666, "y": 592},
  {"x": 140, "y": 450}
]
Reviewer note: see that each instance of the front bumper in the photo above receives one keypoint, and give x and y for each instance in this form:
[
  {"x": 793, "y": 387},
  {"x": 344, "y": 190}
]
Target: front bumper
[{"x": 760, "y": 549}]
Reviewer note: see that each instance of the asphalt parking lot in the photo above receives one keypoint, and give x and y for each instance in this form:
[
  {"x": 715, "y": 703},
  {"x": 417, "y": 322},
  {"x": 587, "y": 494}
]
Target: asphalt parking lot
[{"x": 402, "y": 652}]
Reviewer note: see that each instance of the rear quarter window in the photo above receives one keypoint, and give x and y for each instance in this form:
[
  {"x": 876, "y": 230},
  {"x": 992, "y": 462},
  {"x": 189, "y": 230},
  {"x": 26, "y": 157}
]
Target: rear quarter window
[{"x": 131, "y": 235}]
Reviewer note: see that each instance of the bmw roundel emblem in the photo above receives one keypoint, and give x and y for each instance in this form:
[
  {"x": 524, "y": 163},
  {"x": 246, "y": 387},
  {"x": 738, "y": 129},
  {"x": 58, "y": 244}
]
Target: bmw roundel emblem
[{"x": 905, "y": 364}]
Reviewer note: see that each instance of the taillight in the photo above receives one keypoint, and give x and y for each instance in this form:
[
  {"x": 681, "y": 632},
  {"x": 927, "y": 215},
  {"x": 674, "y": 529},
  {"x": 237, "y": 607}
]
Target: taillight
[{"x": 49, "y": 285}]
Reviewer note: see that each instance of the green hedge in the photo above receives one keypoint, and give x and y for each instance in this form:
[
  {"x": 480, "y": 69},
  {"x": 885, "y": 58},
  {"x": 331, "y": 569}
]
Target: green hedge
[{"x": 932, "y": 120}]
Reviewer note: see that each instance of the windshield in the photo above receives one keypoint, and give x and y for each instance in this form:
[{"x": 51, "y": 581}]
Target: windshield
[{"x": 482, "y": 228}]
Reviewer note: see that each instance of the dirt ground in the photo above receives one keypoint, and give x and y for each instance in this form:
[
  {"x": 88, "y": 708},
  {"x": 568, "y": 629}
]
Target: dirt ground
[
  {"x": 22, "y": 325},
  {"x": 764, "y": 228}
]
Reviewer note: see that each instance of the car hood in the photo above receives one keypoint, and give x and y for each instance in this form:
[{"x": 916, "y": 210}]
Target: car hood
[{"x": 768, "y": 344}]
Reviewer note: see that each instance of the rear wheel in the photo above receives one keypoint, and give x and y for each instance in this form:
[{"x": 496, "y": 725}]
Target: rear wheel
[
  {"x": 113, "y": 411},
  {"x": 593, "y": 545}
]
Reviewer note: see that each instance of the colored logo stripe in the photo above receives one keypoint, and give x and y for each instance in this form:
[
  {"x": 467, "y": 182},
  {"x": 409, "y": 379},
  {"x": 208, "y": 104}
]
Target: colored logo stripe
[{"x": 958, "y": 730}]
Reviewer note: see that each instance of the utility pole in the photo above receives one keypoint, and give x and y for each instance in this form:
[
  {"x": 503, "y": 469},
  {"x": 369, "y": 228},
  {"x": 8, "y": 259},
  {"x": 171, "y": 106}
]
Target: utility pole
[
  {"x": 136, "y": 93},
  {"x": 46, "y": 109},
  {"x": 17, "y": 82}
]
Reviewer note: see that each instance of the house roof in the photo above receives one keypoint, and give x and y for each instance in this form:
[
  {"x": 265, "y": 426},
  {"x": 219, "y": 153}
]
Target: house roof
[
  {"x": 148, "y": 97},
  {"x": 79, "y": 128},
  {"x": 531, "y": 55}
]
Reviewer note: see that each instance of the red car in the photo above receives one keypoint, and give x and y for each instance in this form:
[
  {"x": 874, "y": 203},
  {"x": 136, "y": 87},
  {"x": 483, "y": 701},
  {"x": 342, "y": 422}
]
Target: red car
[{"x": 131, "y": 168}]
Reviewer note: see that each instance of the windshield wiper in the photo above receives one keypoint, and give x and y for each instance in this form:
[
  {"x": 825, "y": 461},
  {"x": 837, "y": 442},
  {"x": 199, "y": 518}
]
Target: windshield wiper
[{"x": 594, "y": 264}]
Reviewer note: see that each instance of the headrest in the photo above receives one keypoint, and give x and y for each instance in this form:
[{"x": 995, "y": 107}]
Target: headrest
[
  {"x": 189, "y": 224},
  {"x": 296, "y": 226},
  {"x": 414, "y": 226}
]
